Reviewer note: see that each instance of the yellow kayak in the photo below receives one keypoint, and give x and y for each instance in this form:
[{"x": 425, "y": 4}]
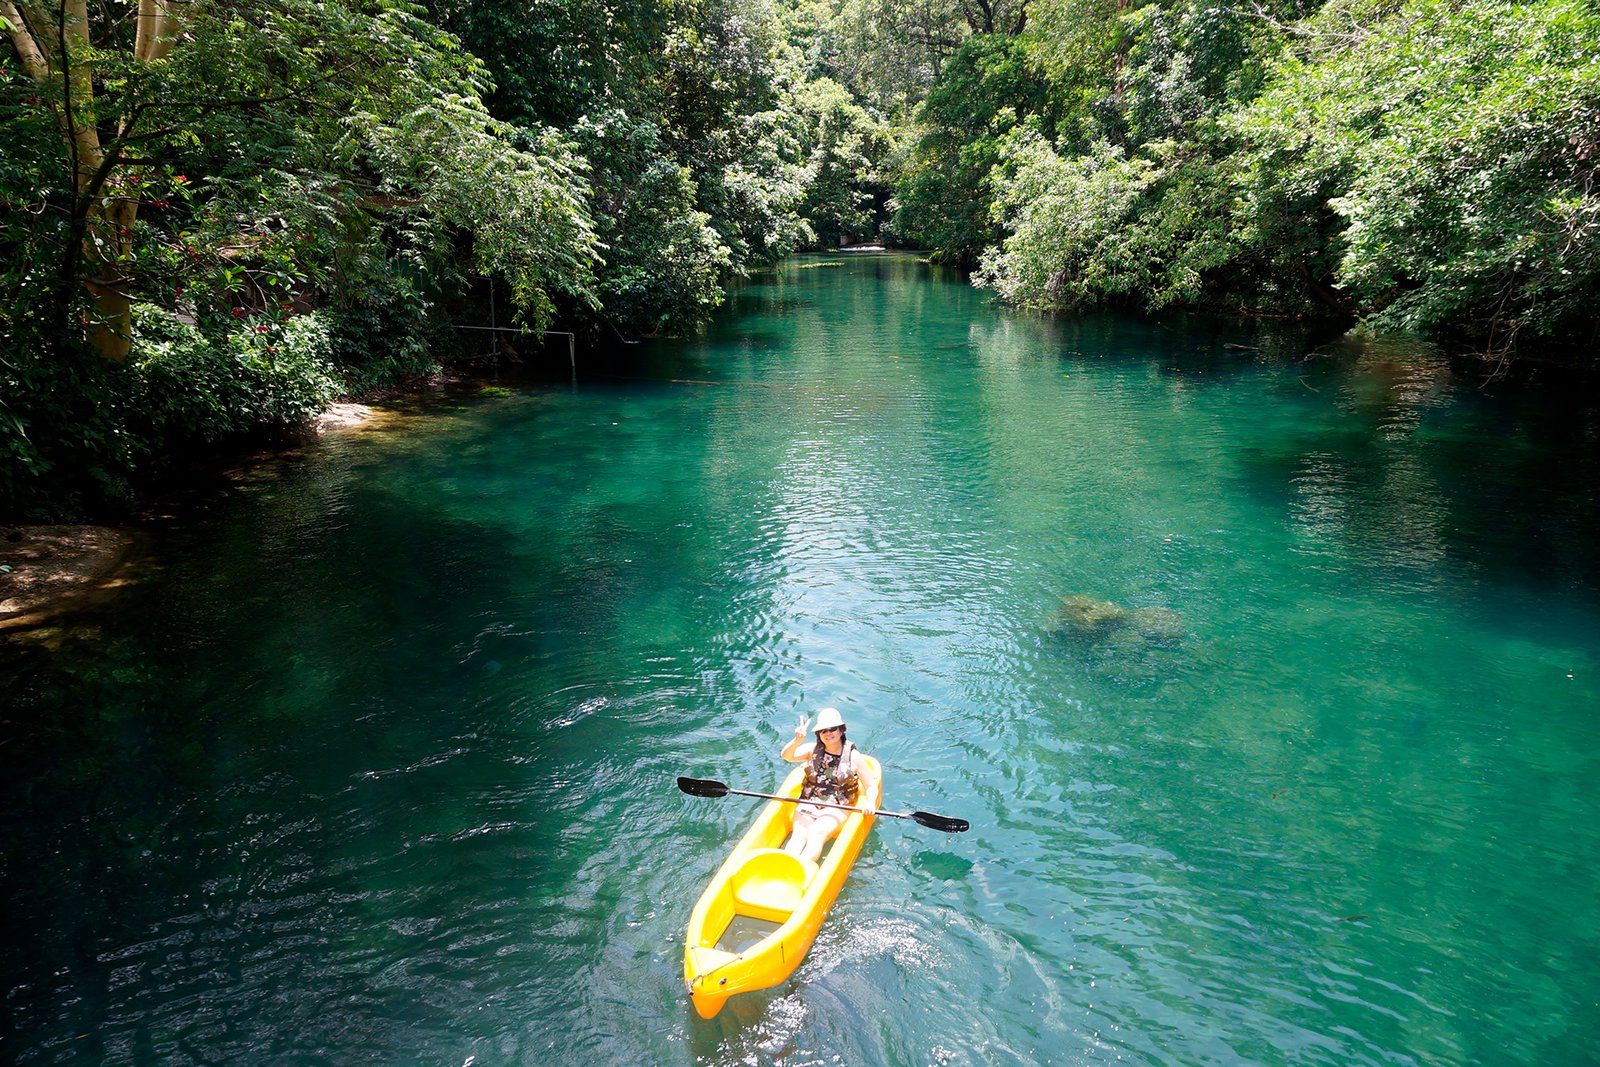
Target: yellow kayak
[{"x": 756, "y": 920}]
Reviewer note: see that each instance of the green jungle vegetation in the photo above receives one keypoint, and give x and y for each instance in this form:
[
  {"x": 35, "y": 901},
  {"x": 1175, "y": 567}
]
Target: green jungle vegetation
[{"x": 218, "y": 215}]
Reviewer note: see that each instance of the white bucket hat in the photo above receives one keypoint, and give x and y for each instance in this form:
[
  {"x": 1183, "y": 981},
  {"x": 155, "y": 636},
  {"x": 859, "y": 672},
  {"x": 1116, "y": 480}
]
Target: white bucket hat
[{"x": 827, "y": 719}]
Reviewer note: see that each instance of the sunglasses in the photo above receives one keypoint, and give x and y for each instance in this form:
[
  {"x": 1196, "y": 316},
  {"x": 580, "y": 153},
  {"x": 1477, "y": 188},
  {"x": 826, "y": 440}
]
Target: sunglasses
[{"x": 831, "y": 730}]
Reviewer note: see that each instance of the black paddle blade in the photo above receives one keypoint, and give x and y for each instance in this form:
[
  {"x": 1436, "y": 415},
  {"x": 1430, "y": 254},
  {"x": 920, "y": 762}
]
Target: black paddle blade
[
  {"x": 703, "y": 787},
  {"x": 941, "y": 822}
]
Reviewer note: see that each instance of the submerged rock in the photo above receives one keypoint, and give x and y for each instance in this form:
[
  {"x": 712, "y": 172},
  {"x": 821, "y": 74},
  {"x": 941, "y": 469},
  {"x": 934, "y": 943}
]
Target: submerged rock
[
  {"x": 1101, "y": 620},
  {"x": 944, "y": 865},
  {"x": 1158, "y": 624},
  {"x": 1086, "y": 616}
]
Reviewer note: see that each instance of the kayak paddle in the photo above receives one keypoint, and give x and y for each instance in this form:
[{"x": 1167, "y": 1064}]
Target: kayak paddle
[{"x": 704, "y": 787}]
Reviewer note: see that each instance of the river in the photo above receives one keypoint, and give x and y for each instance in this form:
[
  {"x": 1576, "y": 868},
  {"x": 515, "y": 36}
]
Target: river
[{"x": 1264, "y": 667}]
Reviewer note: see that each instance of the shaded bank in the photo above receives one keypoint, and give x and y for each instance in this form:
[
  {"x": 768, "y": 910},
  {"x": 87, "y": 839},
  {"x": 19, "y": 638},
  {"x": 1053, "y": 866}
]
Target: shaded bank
[
  {"x": 45, "y": 570},
  {"x": 48, "y": 570}
]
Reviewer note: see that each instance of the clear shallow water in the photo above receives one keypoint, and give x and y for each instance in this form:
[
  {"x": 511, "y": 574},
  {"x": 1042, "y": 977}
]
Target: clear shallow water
[{"x": 375, "y": 764}]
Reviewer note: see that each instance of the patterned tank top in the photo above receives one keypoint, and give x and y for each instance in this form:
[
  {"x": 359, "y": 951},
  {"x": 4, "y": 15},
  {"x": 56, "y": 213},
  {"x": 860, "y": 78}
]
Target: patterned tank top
[{"x": 832, "y": 778}]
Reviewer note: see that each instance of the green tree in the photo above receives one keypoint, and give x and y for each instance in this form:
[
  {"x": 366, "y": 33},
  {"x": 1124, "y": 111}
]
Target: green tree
[
  {"x": 1064, "y": 216},
  {"x": 845, "y": 147},
  {"x": 665, "y": 264},
  {"x": 943, "y": 191},
  {"x": 1458, "y": 145},
  {"x": 887, "y": 53},
  {"x": 91, "y": 83},
  {"x": 178, "y": 208},
  {"x": 321, "y": 120},
  {"x": 558, "y": 61},
  {"x": 1428, "y": 165},
  {"x": 678, "y": 108},
  {"x": 1155, "y": 81}
]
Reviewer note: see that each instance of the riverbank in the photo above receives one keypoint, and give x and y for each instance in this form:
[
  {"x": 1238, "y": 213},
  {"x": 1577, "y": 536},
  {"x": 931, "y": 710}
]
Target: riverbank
[
  {"x": 50, "y": 569},
  {"x": 45, "y": 570}
]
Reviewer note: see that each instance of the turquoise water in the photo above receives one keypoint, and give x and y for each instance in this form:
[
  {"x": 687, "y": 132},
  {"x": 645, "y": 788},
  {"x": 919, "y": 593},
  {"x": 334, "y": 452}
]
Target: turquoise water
[{"x": 1264, "y": 669}]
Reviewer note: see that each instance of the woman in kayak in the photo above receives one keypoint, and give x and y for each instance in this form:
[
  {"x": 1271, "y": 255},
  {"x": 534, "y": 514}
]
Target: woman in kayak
[{"x": 835, "y": 772}]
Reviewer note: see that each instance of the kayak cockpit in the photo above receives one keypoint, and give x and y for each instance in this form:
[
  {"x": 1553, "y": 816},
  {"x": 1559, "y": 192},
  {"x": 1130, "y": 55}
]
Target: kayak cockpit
[
  {"x": 755, "y": 900},
  {"x": 769, "y": 884}
]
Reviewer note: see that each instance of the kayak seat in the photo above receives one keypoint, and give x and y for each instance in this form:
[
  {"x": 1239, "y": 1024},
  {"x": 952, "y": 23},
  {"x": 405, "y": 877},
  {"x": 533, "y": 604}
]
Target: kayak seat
[{"x": 770, "y": 883}]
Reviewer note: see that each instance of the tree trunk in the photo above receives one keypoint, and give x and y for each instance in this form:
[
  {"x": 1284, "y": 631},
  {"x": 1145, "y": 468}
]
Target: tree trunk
[
  {"x": 107, "y": 244},
  {"x": 54, "y": 47}
]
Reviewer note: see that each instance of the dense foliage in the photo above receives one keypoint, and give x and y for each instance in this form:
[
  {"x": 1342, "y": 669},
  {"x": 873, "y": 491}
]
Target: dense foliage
[
  {"x": 945, "y": 192},
  {"x": 1459, "y": 144},
  {"x": 222, "y": 213},
  {"x": 1428, "y": 166},
  {"x": 177, "y": 199}
]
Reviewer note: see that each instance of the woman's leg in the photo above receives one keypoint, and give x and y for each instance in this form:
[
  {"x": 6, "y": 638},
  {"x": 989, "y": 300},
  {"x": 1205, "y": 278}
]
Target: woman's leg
[
  {"x": 800, "y": 831},
  {"x": 823, "y": 826}
]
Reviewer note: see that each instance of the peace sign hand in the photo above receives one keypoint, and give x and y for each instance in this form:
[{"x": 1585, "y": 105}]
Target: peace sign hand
[{"x": 800, "y": 728}]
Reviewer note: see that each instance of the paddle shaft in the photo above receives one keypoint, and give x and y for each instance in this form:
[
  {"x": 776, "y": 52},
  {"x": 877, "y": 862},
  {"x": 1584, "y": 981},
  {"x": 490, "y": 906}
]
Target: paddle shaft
[
  {"x": 819, "y": 803},
  {"x": 705, "y": 787}
]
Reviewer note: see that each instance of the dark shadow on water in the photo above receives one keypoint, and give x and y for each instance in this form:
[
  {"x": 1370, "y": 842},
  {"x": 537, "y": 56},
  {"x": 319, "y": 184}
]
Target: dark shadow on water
[
  {"x": 943, "y": 865},
  {"x": 162, "y": 771},
  {"x": 1404, "y": 448}
]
